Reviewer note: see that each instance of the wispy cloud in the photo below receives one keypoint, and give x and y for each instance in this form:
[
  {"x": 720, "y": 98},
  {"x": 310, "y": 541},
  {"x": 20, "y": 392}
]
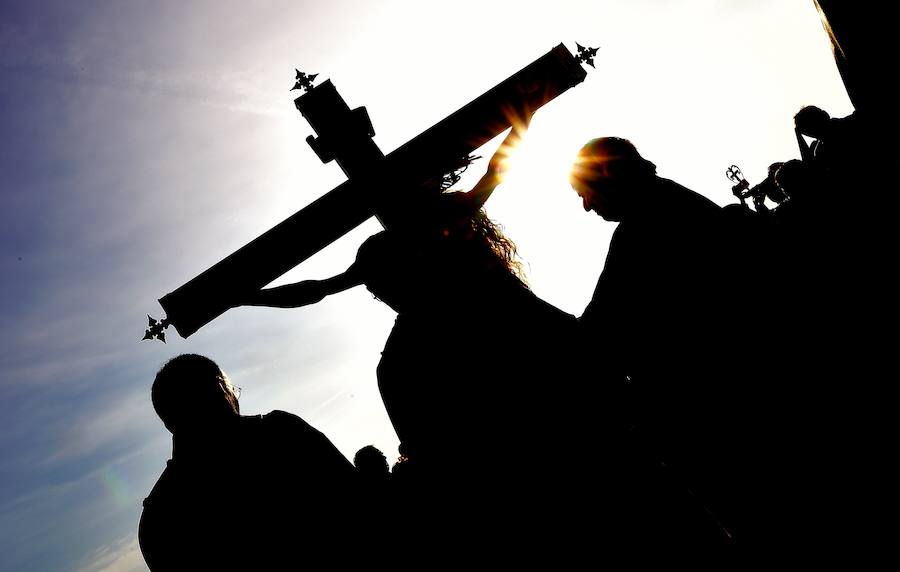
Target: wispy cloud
[
  {"x": 39, "y": 526},
  {"x": 124, "y": 555},
  {"x": 120, "y": 424},
  {"x": 28, "y": 48}
]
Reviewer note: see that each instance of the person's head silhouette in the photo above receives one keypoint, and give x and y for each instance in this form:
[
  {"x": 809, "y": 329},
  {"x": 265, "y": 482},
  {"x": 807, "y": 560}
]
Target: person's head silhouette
[
  {"x": 608, "y": 176},
  {"x": 191, "y": 393},
  {"x": 371, "y": 464},
  {"x": 812, "y": 121}
]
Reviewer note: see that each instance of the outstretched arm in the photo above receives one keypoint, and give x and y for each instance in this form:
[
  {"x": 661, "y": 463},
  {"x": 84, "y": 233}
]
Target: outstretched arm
[
  {"x": 305, "y": 292},
  {"x": 482, "y": 190}
]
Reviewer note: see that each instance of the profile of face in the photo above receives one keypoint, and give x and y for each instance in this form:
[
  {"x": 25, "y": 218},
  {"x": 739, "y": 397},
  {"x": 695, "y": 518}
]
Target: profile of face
[
  {"x": 230, "y": 394},
  {"x": 211, "y": 401},
  {"x": 601, "y": 189}
]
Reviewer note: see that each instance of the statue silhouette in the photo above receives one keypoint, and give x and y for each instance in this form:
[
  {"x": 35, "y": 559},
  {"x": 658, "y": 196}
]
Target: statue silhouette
[{"x": 472, "y": 373}]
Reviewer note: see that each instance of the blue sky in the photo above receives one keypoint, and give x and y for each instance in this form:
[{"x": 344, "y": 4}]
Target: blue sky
[{"x": 144, "y": 141}]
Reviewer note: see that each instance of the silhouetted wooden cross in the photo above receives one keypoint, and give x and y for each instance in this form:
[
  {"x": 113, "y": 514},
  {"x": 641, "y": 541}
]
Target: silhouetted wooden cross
[{"x": 345, "y": 135}]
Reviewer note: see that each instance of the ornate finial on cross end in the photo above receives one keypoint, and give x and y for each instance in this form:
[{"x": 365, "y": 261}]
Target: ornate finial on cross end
[
  {"x": 156, "y": 328},
  {"x": 304, "y": 81},
  {"x": 734, "y": 174},
  {"x": 586, "y": 55}
]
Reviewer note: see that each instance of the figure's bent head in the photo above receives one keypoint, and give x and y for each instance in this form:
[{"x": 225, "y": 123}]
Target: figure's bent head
[
  {"x": 413, "y": 266},
  {"x": 371, "y": 464},
  {"x": 390, "y": 269},
  {"x": 608, "y": 171},
  {"x": 191, "y": 392},
  {"x": 812, "y": 121}
]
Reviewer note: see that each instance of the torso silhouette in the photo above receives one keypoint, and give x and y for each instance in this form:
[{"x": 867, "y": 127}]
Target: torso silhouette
[
  {"x": 658, "y": 316},
  {"x": 473, "y": 379},
  {"x": 451, "y": 370},
  {"x": 267, "y": 492}
]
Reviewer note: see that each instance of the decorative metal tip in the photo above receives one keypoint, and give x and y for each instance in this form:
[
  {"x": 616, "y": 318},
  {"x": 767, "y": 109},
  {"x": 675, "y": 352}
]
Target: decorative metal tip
[
  {"x": 586, "y": 55},
  {"x": 156, "y": 329},
  {"x": 734, "y": 174},
  {"x": 304, "y": 81}
]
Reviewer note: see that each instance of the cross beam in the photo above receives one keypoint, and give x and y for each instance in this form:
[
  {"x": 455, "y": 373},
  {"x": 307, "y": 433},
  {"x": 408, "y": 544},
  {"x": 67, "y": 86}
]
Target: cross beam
[{"x": 346, "y": 135}]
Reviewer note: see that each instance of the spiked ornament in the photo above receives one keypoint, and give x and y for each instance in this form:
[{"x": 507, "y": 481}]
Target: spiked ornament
[
  {"x": 156, "y": 329},
  {"x": 586, "y": 55},
  {"x": 304, "y": 82}
]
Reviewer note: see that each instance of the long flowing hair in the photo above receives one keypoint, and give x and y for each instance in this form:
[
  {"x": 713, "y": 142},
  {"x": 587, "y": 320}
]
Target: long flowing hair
[
  {"x": 502, "y": 247},
  {"x": 458, "y": 216}
]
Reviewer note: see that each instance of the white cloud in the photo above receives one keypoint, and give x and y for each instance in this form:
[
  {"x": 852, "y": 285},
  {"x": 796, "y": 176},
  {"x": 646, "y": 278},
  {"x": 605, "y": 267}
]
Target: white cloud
[{"x": 124, "y": 555}]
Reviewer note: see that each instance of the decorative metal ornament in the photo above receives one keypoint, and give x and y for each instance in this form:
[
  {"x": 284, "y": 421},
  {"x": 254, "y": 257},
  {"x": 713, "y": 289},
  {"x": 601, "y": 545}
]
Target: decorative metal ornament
[{"x": 304, "y": 82}]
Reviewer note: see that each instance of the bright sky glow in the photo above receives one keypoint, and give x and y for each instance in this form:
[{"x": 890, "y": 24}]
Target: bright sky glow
[{"x": 144, "y": 141}]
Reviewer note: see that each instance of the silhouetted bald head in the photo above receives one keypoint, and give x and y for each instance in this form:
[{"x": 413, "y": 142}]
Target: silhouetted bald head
[
  {"x": 191, "y": 392},
  {"x": 607, "y": 173},
  {"x": 614, "y": 151}
]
